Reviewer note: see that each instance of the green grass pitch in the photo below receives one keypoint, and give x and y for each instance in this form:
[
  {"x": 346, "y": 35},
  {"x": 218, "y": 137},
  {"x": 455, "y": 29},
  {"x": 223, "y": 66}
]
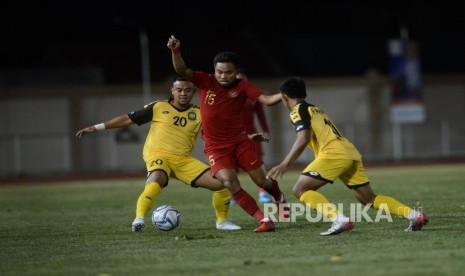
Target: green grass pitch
[{"x": 83, "y": 228}]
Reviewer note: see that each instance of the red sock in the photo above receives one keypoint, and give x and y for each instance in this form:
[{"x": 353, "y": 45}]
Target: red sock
[
  {"x": 273, "y": 190},
  {"x": 248, "y": 204}
]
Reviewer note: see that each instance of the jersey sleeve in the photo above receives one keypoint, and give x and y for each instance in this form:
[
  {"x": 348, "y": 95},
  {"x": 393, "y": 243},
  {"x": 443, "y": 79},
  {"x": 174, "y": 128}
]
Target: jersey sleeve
[
  {"x": 253, "y": 92},
  {"x": 300, "y": 118},
  {"x": 142, "y": 116}
]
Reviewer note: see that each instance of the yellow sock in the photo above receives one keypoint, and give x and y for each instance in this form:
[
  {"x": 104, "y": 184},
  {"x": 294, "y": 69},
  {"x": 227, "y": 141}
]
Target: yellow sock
[
  {"x": 220, "y": 201},
  {"x": 395, "y": 207},
  {"x": 319, "y": 203},
  {"x": 146, "y": 200}
]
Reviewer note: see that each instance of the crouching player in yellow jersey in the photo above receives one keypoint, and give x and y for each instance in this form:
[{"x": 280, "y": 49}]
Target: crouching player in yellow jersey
[
  {"x": 335, "y": 157},
  {"x": 167, "y": 152}
]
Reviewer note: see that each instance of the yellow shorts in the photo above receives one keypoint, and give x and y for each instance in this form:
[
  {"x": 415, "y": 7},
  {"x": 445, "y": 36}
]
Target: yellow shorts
[
  {"x": 184, "y": 168},
  {"x": 350, "y": 172}
]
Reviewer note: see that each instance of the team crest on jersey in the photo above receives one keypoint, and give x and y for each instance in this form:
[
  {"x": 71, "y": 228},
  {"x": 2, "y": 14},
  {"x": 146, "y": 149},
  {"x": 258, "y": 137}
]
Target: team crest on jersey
[
  {"x": 233, "y": 93},
  {"x": 192, "y": 116}
]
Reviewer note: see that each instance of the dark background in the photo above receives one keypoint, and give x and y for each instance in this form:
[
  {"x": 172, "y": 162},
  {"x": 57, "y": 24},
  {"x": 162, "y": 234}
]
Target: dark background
[{"x": 307, "y": 38}]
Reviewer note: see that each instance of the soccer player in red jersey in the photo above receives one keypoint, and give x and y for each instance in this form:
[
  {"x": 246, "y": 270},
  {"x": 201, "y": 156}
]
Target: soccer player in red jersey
[{"x": 227, "y": 145}]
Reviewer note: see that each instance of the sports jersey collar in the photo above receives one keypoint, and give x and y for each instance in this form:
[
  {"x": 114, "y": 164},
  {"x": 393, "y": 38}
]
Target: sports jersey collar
[{"x": 178, "y": 109}]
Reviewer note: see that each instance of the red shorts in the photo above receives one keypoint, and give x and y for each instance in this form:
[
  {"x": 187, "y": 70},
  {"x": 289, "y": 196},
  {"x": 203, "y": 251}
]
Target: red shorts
[
  {"x": 259, "y": 147},
  {"x": 244, "y": 154}
]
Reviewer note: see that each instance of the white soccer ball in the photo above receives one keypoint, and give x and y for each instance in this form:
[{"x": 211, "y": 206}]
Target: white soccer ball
[{"x": 166, "y": 218}]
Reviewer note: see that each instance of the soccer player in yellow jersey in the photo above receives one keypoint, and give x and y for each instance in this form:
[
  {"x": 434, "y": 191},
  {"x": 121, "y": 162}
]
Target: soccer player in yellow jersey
[
  {"x": 167, "y": 152},
  {"x": 335, "y": 157}
]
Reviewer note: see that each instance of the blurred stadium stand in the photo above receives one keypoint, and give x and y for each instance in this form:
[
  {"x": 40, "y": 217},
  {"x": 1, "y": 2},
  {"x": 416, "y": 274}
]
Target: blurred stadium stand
[{"x": 38, "y": 121}]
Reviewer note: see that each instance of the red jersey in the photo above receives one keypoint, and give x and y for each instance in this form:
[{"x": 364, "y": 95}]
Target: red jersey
[
  {"x": 221, "y": 108},
  {"x": 250, "y": 109}
]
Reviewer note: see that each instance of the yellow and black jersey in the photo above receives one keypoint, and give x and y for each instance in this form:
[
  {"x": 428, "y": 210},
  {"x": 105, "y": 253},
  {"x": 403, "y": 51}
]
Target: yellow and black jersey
[
  {"x": 172, "y": 131},
  {"x": 326, "y": 140}
]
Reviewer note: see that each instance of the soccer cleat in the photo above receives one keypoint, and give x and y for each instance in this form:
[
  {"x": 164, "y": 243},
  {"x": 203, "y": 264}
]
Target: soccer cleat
[
  {"x": 227, "y": 225},
  {"x": 138, "y": 224},
  {"x": 338, "y": 227},
  {"x": 264, "y": 198},
  {"x": 417, "y": 223},
  {"x": 282, "y": 205},
  {"x": 266, "y": 225}
]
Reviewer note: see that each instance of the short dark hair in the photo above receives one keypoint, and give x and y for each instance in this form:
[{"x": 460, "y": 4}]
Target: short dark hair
[
  {"x": 179, "y": 78},
  {"x": 229, "y": 57},
  {"x": 294, "y": 87}
]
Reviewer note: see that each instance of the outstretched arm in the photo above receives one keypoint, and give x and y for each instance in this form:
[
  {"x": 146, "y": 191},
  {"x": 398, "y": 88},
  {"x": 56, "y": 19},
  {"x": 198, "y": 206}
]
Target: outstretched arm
[
  {"x": 117, "y": 122},
  {"x": 303, "y": 137},
  {"x": 270, "y": 99},
  {"x": 178, "y": 62}
]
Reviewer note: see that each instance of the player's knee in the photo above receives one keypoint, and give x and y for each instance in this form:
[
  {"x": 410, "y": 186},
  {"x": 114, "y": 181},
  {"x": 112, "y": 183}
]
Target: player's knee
[
  {"x": 232, "y": 186},
  {"x": 226, "y": 183}
]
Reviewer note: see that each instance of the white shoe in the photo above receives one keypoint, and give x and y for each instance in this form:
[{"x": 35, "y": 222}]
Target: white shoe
[
  {"x": 138, "y": 224},
  {"x": 417, "y": 223},
  {"x": 338, "y": 227},
  {"x": 227, "y": 225}
]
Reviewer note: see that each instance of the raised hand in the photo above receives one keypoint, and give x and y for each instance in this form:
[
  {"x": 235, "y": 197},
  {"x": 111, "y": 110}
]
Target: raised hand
[{"x": 173, "y": 43}]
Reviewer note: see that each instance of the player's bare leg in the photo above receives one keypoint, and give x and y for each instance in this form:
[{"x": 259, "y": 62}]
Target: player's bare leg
[
  {"x": 230, "y": 180},
  {"x": 272, "y": 187},
  {"x": 306, "y": 191},
  {"x": 220, "y": 199},
  {"x": 146, "y": 201}
]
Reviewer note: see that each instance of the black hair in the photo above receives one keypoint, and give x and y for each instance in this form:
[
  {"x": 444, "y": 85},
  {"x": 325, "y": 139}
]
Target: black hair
[
  {"x": 294, "y": 88},
  {"x": 229, "y": 57},
  {"x": 179, "y": 78}
]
